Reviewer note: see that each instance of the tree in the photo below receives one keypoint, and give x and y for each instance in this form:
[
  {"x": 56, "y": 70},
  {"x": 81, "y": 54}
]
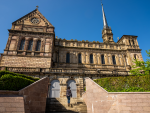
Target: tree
[{"x": 141, "y": 68}]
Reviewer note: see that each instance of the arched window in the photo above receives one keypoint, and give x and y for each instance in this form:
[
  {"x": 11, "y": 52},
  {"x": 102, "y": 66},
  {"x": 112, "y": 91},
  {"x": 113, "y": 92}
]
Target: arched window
[
  {"x": 134, "y": 56},
  {"x": 67, "y": 58},
  {"x": 129, "y": 42},
  {"x": 79, "y": 58},
  {"x": 133, "y": 42},
  {"x": 30, "y": 45},
  {"x": 113, "y": 59},
  {"x": 38, "y": 45},
  {"x": 102, "y": 59},
  {"x": 22, "y": 44},
  {"x": 91, "y": 58}
]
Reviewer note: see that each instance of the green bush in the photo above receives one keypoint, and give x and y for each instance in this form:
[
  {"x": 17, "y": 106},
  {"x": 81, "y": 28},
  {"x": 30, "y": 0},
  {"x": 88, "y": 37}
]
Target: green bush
[
  {"x": 14, "y": 83},
  {"x": 16, "y": 74},
  {"x": 125, "y": 84}
]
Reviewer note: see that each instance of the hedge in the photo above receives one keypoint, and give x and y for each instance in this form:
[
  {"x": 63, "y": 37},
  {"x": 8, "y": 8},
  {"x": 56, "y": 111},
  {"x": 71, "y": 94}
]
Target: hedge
[
  {"x": 16, "y": 74},
  {"x": 14, "y": 81},
  {"x": 125, "y": 84}
]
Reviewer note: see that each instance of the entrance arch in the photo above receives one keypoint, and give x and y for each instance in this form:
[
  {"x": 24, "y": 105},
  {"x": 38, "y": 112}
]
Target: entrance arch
[
  {"x": 55, "y": 89},
  {"x": 73, "y": 88}
]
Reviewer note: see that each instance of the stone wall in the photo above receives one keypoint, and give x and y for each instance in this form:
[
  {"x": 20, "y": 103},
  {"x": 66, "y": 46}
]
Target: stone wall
[
  {"x": 11, "y": 104},
  {"x": 33, "y": 62},
  {"x": 99, "y": 100},
  {"x": 31, "y": 99},
  {"x": 35, "y": 96}
]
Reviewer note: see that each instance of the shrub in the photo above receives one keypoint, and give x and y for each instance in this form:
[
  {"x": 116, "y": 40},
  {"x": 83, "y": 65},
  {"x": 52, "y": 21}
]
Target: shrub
[
  {"x": 16, "y": 74},
  {"x": 15, "y": 83},
  {"x": 125, "y": 84}
]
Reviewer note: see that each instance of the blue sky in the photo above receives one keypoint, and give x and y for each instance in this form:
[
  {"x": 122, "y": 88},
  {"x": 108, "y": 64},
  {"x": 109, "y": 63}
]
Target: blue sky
[{"x": 82, "y": 19}]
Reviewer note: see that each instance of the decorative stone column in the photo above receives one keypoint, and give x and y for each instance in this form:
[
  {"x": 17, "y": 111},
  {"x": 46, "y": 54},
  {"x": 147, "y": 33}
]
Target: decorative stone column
[
  {"x": 124, "y": 60},
  {"x": 99, "y": 58},
  {"x": 26, "y": 43},
  {"x": 42, "y": 45},
  {"x": 34, "y": 44},
  {"x": 136, "y": 42},
  {"x": 83, "y": 57},
  {"x": 17, "y": 42},
  {"x": 106, "y": 58},
  {"x": 111, "y": 62},
  {"x": 94, "y": 58},
  {"x": 87, "y": 57},
  {"x": 116, "y": 58},
  {"x": 8, "y": 43}
]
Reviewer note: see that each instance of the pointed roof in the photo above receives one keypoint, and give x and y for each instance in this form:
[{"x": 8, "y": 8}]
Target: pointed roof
[
  {"x": 104, "y": 18},
  {"x": 31, "y": 14}
]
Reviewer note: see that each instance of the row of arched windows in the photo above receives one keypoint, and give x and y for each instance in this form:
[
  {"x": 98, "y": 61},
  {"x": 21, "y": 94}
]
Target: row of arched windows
[
  {"x": 22, "y": 44},
  {"x": 91, "y": 58}
]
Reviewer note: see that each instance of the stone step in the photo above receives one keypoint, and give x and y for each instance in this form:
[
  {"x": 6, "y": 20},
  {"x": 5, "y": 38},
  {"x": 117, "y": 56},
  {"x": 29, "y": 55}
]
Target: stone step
[{"x": 60, "y": 105}]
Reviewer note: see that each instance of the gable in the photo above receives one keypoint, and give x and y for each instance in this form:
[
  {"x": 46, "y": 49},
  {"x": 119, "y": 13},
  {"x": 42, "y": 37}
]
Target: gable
[{"x": 27, "y": 19}]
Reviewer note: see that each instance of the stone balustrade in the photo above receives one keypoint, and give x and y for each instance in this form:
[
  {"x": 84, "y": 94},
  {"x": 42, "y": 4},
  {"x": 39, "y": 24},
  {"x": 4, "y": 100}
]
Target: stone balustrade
[{"x": 69, "y": 71}]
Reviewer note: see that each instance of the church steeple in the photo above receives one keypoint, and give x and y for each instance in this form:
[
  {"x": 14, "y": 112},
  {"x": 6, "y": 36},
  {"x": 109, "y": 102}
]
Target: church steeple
[
  {"x": 104, "y": 18},
  {"x": 107, "y": 34}
]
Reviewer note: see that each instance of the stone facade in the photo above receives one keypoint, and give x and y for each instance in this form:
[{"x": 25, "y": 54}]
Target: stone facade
[
  {"x": 98, "y": 100},
  {"x": 33, "y": 49}
]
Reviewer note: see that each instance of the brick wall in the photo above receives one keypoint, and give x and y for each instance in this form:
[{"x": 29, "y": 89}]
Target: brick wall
[
  {"x": 31, "y": 99},
  {"x": 99, "y": 100},
  {"x": 11, "y": 104},
  {"x": 16, "y": 61}
]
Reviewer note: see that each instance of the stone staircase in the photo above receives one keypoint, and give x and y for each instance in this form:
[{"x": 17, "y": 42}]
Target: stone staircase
[{"x": 60, "y": 105}]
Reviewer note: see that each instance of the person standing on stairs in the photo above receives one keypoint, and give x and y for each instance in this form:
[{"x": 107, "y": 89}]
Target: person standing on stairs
[{"x": 68, "y": 94}]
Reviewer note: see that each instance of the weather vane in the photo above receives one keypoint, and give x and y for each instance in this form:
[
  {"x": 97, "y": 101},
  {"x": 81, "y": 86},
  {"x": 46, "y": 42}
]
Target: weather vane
[{"x": 37, "y": 7}]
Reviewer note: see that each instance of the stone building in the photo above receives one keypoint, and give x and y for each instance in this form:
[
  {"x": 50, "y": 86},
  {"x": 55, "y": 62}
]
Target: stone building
[{"x": 33, "y": 49}]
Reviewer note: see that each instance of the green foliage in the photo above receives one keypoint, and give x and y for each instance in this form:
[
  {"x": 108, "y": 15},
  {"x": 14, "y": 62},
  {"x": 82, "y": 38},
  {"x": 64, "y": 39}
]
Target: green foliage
[
  {"x": 141, "y": 68},
  {"x": 16, "y": 74},
  {"x": 84, "y": 88},
  {"x": 125, "y": 84},
  {"x": 14, "y": 81}
]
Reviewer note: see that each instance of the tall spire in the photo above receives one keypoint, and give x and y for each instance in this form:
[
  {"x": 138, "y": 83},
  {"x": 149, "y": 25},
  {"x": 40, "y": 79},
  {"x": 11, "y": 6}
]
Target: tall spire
[{"x": 104, "y": 18}]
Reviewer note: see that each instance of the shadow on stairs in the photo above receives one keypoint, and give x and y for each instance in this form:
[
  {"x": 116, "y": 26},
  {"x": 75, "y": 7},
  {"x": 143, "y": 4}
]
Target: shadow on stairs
[{"x": 59, "y": 105}]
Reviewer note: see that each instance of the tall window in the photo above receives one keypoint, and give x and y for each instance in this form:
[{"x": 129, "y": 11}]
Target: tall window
[
  {"x": 30, "y": 45},
  {"x": 134, "y": 56},
  {"x": 129, "y": 42},
  {"x": 133, "y": 42},
  {"x": 102, "y": 59},
  {"x": 67, "y": 58},
  {"x": 91, "y": 58},
  {"x": 113, "y": 59},
  {"x": 38, "y": 45},
  {"x": 79, "y": 58},
  {"x": 22, "y": 44}
]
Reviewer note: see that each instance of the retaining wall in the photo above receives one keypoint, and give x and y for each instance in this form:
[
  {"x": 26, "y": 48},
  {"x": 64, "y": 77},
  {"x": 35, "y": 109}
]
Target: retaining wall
[
  {"x": 98, "y": 100},
  {"x": 31, "y": 99}
]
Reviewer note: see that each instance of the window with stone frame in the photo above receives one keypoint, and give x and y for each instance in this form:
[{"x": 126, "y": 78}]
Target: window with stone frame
[
  {"x": 30, "y": 45},
  {"x": 22, "y": 44},
  {"x": 38, "y": 46},
  {"x": 67, "y": 44},
  {"x": 102, "y": 59},
  {"x": 90, "y": 45},
  {"x": 113, "y": 59},
  {"x": 91, "y": 58},
  {"x": 134, "y": 56},
  {"x": 79, "y": 44},
  {"x": 79, "y": 58},
  {"x": 67, "y": 58},
  {"x": 133, "y": 42},
  {"x": 129, "y": 42}
]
